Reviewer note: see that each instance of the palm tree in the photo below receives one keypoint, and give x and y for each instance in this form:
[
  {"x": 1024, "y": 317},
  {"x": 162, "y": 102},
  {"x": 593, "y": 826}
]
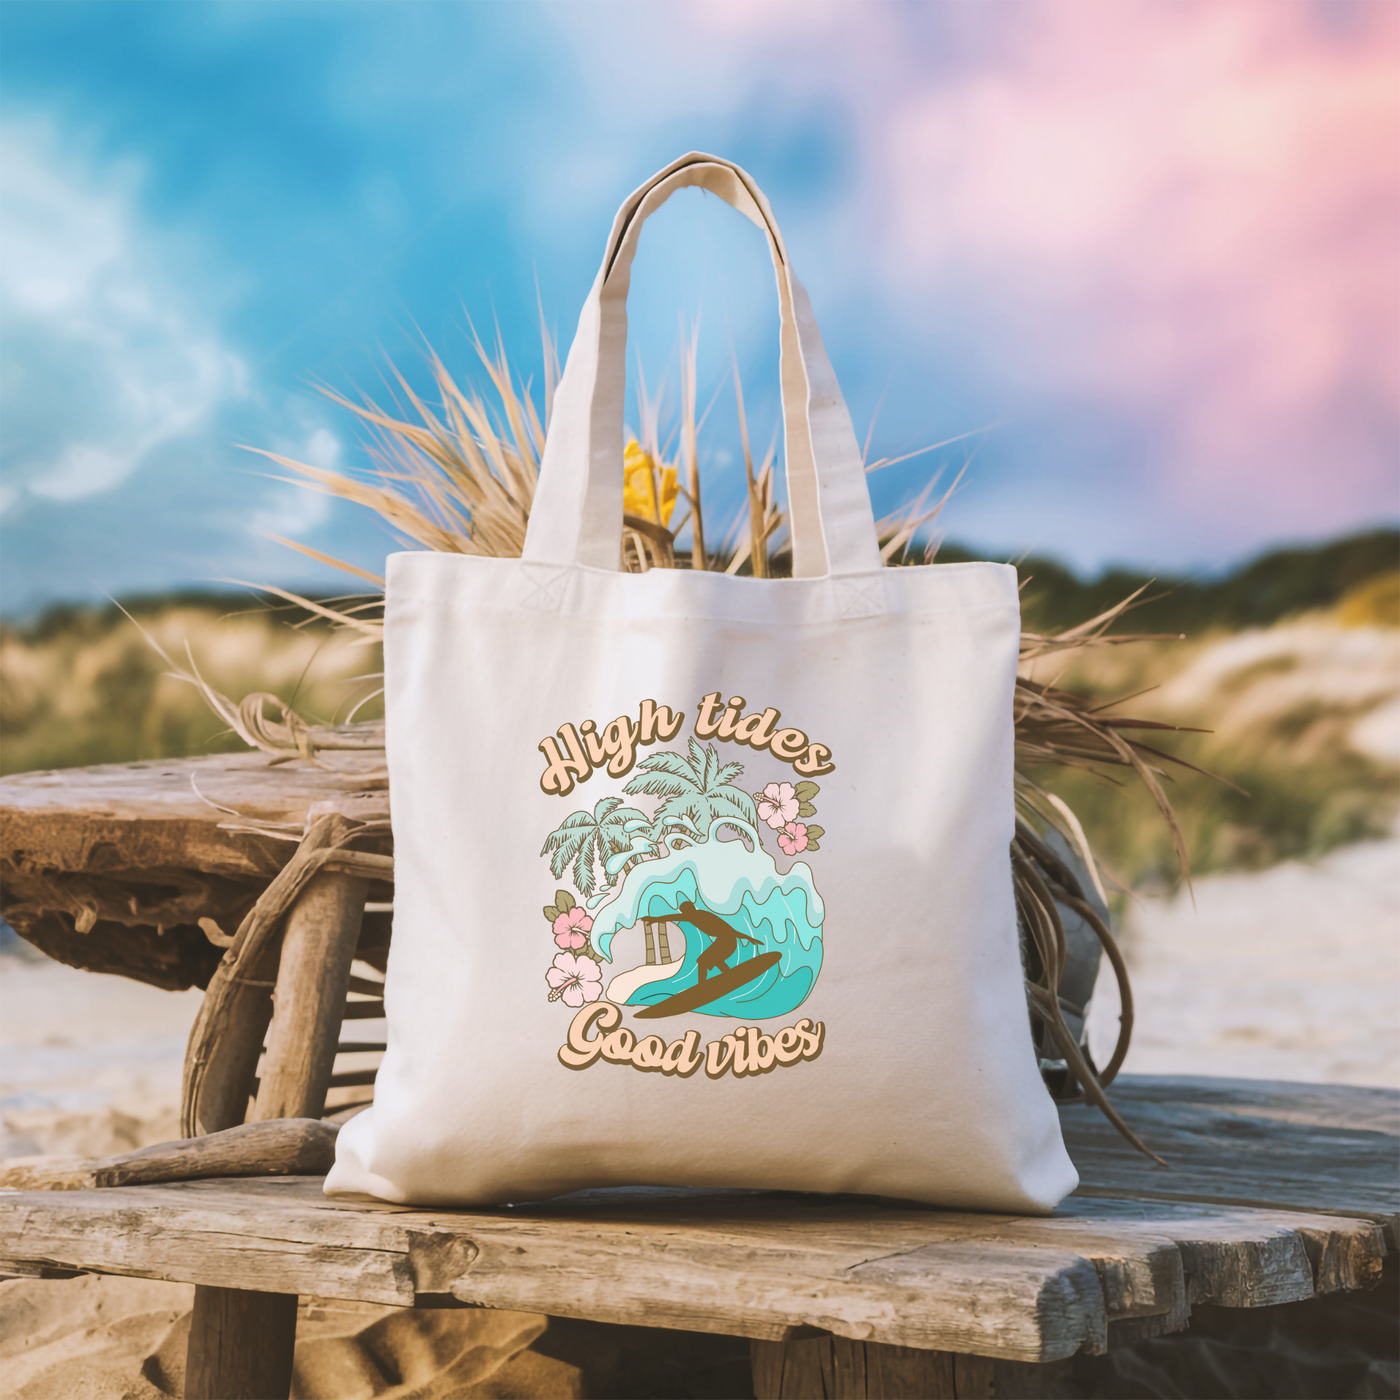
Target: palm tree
[
  {"x": 697, "y": 790},
  {"x": 589, "y": 838}
]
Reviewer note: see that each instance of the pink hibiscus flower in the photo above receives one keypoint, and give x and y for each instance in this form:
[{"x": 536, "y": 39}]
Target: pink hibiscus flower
[
  {"x": 572, "y": 927},
  {"x": 576, "y": 979},
  {"x": 778, "y": 806},
  {"x": 793, "y": 837}
]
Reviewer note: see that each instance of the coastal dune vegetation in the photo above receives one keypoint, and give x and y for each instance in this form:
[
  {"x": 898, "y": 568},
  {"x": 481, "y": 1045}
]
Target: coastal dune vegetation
[
  {"x": 82, "y": 685},
  {"x": 1303, "y": 700}
]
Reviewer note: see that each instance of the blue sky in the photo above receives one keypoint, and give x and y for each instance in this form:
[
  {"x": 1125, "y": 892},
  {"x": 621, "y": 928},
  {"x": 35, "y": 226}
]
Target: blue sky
[{"x": 1148, "y": 245}]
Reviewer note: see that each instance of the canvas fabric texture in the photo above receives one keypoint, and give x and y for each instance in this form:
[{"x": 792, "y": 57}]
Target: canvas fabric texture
[{"x": 702, "y": 880}]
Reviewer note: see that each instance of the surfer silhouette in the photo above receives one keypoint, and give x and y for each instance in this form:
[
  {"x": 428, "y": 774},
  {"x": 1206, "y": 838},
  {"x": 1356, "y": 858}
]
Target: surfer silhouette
[
  {"x": 726, "y": 939},
  {"x": 715, "y": 978}
]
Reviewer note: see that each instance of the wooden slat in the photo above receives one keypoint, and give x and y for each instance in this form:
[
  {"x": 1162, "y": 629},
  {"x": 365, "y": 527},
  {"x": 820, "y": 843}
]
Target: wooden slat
[
  {"x": 740, "y": 1263},
  {"x": 277, "y": 1240},
  {"x": 352, "y": 1078},
  {"x": 364, "y": 1011},
  {"x": 334, "y": 1108}
]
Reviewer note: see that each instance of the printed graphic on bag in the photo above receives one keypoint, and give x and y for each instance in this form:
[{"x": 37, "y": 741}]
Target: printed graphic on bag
[{"x": 688, "y": 885}]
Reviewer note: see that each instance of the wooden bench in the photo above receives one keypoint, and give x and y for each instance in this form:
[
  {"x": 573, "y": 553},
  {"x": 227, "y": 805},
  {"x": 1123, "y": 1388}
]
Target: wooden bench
[{"x": 1276, "y": 1193}]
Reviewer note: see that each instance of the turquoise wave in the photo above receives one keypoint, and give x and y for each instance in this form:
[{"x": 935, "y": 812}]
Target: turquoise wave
[{"x": 783, "y": 912}]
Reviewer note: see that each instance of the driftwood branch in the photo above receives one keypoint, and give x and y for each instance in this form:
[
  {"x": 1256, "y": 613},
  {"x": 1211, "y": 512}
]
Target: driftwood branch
[
  {"x": 313, "y": 978},
  {"x": 278, "y": 1147}
]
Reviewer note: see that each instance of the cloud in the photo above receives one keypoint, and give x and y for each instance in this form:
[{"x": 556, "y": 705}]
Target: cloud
[
  {"x": 105, "y": 361},
  {"x": 1187, "y": 209},
  {"x": 1178, "y": 215},
  {"x": 287, "y": 507}
]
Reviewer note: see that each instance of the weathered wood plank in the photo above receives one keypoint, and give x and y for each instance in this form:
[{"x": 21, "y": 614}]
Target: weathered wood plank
[
  {"x": 165, "y": 812},
  {"x": 1241, "y": 1257},
  {"x": 112, "y": 867},
  {"x": 766, "y": 1359},
  {"x": 278, "y": 1240},
  {"x": 1022, "y": 1302},
  {"x": 1139, "y": 1249},
  {"x": 739, "y": 1263},
  {"x": 257, "y": 1240},
  {"x": 1299, "y": 1147}
]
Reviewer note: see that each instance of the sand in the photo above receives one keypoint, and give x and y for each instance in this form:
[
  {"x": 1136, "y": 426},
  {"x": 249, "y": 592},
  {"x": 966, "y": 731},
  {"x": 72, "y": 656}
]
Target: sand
[
  {"x": 1289, "y": 973},
  {"x": 89, "y": 1063}
]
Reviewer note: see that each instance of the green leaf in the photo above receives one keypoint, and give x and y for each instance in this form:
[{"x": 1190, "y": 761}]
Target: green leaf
[
  {"x": 813, "y": 845},
  {"x": 727, "y": 774},
  {"x": 813, "y": 832},
  {"x": 806, "y": 791},
  {"x": 704, "y": 762},
  {"x": 583, "y": 875},
  {"x": 551, "y": 913},
  {"x": 805, "y": 809},
  {"x": 664, "y": 774},
  {"x": 565, "y": 900}
]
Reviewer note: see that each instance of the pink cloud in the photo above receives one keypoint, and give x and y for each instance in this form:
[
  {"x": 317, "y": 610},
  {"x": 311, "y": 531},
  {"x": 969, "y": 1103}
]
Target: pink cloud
[
  {"x": 1191, "y": 209},
  {"x": 1187, "y": 212}
]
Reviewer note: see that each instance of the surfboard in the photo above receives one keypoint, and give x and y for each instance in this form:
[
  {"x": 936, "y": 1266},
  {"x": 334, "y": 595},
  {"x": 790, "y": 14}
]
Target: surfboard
[{"x": 702, "y": 993}]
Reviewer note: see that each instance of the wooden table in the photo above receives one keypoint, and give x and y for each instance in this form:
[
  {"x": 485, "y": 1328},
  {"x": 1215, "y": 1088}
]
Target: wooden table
[
  {"x": 1276, "y": 1193},
  {"x": 111, "y": 868}
]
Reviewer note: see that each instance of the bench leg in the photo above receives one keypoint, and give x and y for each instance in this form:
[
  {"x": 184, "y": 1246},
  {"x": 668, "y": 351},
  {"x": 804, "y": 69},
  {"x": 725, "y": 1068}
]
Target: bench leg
[
  {"x": 313, "y": 976},
  {"x": 835, "y": 1368},
  {"x": 241, "y": 1345}
]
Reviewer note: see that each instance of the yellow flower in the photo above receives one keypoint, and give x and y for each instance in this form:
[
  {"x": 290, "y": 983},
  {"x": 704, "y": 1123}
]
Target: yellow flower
[{"x": 639, "y": 485}]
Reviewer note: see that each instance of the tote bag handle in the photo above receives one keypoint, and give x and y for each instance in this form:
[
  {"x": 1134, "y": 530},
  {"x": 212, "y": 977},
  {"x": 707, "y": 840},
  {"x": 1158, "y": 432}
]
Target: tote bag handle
[{"x": 576, "y": 517}]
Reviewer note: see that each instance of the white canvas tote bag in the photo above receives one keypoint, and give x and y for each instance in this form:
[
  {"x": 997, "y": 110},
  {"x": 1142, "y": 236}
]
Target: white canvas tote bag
[{"x": 702, "y": 880}]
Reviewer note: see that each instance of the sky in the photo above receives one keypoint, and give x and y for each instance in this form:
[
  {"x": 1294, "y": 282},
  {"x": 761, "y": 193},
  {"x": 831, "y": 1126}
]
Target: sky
[{"x": 1139, "y": 257}]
